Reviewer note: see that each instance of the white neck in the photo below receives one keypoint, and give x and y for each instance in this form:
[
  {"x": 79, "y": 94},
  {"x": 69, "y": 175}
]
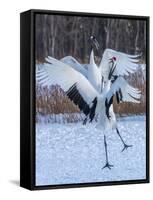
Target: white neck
[{"x": 92, "y": 61}]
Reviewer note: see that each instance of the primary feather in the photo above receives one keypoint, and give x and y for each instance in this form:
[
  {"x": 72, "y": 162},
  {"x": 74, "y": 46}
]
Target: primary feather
[
  {"x": 124, "y": 92},
  {"x": 76, "y": 86},
  {"x": 125, "y": 63},
  {"x": 71, "y": 61}
]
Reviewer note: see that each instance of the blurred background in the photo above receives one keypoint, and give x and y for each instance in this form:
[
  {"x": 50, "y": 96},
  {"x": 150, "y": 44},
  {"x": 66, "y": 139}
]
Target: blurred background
[{"x": 60, "y": 36}]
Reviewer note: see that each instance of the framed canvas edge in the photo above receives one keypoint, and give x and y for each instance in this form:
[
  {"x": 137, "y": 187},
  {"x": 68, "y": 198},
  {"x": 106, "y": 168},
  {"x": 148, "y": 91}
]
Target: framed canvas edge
[
  {"x": 33, "y": 185},
  {"x": 92, "y": 14}
]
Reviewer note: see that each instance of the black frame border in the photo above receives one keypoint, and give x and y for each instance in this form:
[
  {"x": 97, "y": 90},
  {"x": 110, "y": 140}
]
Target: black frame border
[{"x": 27, "y": 99}]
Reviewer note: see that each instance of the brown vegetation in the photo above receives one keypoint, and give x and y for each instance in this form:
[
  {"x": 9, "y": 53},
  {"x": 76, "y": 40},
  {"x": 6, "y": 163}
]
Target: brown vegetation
[{"x": 53, "y": 100}]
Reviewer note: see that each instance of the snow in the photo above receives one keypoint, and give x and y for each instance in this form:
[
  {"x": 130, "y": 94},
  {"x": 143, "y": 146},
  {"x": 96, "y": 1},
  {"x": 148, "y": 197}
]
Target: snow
[
  {"x": 60, "y": 118},
  {"x": 74, "y": 153}
]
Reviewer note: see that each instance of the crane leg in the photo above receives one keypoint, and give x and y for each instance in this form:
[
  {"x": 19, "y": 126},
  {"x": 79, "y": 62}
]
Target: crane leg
[
  {"x": 125, "y": 145},
  {"x": 85, "y": 121},
  {"x": 107, "y": 163}
]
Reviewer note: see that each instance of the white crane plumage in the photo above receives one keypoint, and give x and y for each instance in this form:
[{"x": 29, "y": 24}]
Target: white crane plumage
[
  {"x": 78, "y": 84},
  {"x": 125, "y": 64},
  {"x": 98, "y": 76}
]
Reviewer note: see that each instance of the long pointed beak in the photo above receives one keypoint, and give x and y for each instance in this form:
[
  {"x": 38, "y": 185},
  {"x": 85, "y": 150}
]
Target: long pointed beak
[
  {"x": 111, "y": 60},
  {"x": 96, "y": 43}
]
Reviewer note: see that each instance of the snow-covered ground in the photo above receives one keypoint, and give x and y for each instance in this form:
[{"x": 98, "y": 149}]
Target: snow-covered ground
[{"x": 73, "y": 153}]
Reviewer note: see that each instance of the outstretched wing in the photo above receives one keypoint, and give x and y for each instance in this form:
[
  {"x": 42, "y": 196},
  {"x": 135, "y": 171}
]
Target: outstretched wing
[
  {"x": 123, "y": 92},
  {"x": 125, "y": 63},
  {"x": 71, "y": 61},
  {"x": 76, "y": 86}
]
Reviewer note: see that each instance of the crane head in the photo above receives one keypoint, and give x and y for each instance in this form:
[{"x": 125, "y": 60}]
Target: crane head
[
  {"x": 94, "y": 42},
  {"x": 112, "y": 60}
]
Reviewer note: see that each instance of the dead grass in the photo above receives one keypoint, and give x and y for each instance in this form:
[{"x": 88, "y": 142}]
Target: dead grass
[{"x": 53, "y": 100}]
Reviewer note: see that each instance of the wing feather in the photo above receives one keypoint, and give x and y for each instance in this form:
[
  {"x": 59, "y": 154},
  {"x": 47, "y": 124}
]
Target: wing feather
[
  {"x": 125, "y": 63},
  {"x": 76, "y": 86},
  {"x": 71, "y": 61},
  {"x": 127, "y": 92}
]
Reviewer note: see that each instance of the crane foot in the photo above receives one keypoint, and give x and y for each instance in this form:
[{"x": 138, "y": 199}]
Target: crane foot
[
  {"x": 126, "y": 147},
  {"x": 108, "y": 166}
]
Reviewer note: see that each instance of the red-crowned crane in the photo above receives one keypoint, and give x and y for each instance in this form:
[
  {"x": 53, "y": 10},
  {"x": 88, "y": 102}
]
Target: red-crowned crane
[
  {"x": 73, "y": 79},
  {"x": 98, "y": 75}
]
